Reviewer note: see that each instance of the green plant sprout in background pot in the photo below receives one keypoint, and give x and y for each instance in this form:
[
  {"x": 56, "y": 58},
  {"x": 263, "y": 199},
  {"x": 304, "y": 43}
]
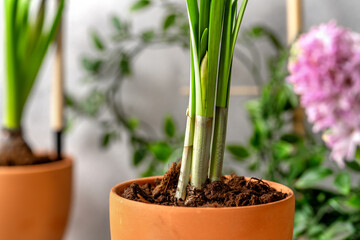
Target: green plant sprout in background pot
[
  {"x": 35, "y": 191},
  {"x": 27, "y": 42},
  {"x": 214, "y": 27}
]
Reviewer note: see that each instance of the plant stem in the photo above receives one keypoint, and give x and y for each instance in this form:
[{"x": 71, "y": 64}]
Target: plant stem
[
  {"x": 217, "y": 154},
  {"x": 203, "y": 130},
  {"x": 229, "y": 36},
  {"x": 189, "y": 136},
  {"x": 11, "y": 109},
  {"x": 186, "y": 159},
  {"x": 26, "y": 45},
  {"x": 216, "y": 24},
  {"x": 201, "y": 154}
]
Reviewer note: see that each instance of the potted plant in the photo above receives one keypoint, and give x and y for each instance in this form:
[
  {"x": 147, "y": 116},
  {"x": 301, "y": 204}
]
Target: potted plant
[
  {"x": 35, "y": 188},
  {"x": 212, "y": 206}
]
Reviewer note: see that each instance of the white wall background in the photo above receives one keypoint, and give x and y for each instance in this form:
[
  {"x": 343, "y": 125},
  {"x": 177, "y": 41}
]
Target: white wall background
[{"x": 155, "y": 87}]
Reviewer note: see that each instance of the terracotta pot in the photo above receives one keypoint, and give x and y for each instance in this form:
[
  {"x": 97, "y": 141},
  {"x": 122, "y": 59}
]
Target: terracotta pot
[
  {"x": 135, "y": 220},
  {"x": 35, "y": 200}
]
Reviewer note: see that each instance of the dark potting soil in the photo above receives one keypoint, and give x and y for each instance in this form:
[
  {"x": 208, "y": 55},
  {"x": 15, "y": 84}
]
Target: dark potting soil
[{"x": 232, "y": 191}]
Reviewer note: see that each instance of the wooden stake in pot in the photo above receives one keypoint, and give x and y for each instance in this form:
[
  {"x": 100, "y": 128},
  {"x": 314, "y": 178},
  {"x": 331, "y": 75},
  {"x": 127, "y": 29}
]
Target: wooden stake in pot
[
  {"x": 57, "y": 96},
  {"x": 294, "y": 27}
]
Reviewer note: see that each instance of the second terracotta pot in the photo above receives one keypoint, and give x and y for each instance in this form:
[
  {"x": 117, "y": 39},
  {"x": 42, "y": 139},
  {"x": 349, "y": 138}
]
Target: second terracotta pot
[
  {"x": 35, "y": 200},
  {"x": 136, "y": 220}
]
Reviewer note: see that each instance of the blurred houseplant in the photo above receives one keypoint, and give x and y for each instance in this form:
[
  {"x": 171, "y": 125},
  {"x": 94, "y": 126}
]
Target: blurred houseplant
[
  {"x": 278, "y": 154},
  {"x": 46, "y": 184},
  {"x": 324, "y": 70},
  {"x": 110, "y": 65}
]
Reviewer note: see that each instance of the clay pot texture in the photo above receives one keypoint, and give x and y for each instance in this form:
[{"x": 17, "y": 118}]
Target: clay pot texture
[
  {"x": 135, "y": 220},
  {"x": 35, "y": 200}
]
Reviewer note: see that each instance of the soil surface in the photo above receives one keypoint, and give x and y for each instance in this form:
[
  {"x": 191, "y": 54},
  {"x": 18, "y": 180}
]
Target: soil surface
[
  {"x": 232, "y": 191},
  {"x": 14, "y": 151}
]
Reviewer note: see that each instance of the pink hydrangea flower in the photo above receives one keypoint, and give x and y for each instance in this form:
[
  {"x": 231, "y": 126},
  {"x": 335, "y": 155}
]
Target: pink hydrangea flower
[{"x": 325, "y": 72}]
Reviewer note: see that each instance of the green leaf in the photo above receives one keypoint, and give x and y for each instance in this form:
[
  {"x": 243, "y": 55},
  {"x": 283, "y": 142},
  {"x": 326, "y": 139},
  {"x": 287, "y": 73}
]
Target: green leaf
[
  {"x": 161, "y": 151},
  {"x": 204, "y": 43},
  {"x": 338, "y": 231},
  {"x": 139, "y": 156},
  {"x": 105, "y": 139},
  {"x": 238, "y": 152},
  {"x": 342, "y": 206},
  {"x": 313, "y": 176},
  {"x": 125, "y": 66},
  {"x": 254, "y": 165},
  {"x": 169, "y": 127},
  {"x": 301, "y": 221},
  {"x": 169, "y": 21},
  {"x": 342, "y": 182},
  {"x": 282, "y": 150},
  {"x": 147, "y": 36},
  {"x": 315, "y": 229},
  {"x": 133, "y": 123},
  {"x": 291, "y": 138},
  {"x": 354, "y": 201},
  {"x": 97, "y": 41},
  {"x": 140, "y": 4},
  {"x": 69, "y": 100},
  {"x": 353, "y": 165},
  {"x": 92, "y": 66},
  {"x": 256, "y": 31},
  {"x": 92, "y": 103},
  {"x": 261, "y": 31},
  {"x": 116, "y": 22}
]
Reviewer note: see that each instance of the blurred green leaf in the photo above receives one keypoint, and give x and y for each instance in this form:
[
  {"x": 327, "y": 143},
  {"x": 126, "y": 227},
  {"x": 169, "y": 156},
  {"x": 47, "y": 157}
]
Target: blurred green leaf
[
  {"x": 125, "y": 67},
  {"x": 139, "y": 156},
  {"x": 169, "y": 21},
  {"x": 313, "y": 176},
  {"x": 354, "y": 201},
  {"x": 254, "y": 165},
  {"x": 342, "y": 205},
  {"x": 315, "y": 229},
  {"x": 92, "y": 66},
  {"x": 140, "y": 4},
  {"x": 302, "y": 219},
  {"x": 69, "y": 100},
  {"x": 147, "y": 36},
  {"x": 105, "y": 139},
  {"x": 282, "y": 149},
  {"x": 342, "y": 182},
  {"x": 238, "y": 152},
  {"x": 290, "y": 138},
  {"x": 134, "y": 122},
  {"x": 161, "y": 151},
  {"x": 261, "y": 31},
  {"x": 338, "y": 231},
  {"x": 69, "y": 123},
  {"x": 169, "y": 126},
  {"x": 93, "y": 102},
  {"x": 117, "y": 23},
  {"x": 353, "y": 165},
  {"x": 97, "y": 41}
]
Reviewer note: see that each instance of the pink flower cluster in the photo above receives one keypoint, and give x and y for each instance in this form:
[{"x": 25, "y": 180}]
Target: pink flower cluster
[{"x": 325, "y": 72}]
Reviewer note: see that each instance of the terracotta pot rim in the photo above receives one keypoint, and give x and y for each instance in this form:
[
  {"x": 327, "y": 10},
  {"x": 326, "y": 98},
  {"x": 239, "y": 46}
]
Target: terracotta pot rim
[
  {"x": 114, "y": 194},
  {"x": 66, "y": 162}
]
